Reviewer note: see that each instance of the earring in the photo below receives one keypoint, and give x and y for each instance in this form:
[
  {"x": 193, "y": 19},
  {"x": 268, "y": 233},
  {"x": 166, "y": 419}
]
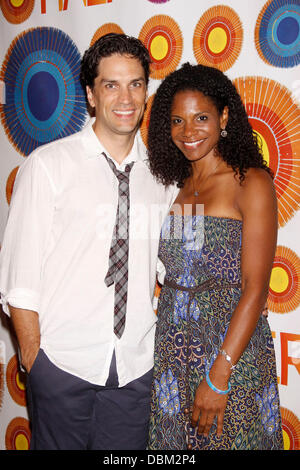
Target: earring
[{"x": 223, "y": 133}]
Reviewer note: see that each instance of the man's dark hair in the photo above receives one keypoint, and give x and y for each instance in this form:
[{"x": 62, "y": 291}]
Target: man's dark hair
[{"x": 106, "y": 46}]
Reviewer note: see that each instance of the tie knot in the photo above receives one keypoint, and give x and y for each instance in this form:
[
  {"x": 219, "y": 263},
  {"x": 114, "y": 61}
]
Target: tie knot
[{"x": 119, "y": 174}]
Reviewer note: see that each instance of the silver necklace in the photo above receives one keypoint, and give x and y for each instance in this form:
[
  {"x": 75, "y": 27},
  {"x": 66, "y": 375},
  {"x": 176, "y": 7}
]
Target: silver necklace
[{"x": 196, "y": 192}]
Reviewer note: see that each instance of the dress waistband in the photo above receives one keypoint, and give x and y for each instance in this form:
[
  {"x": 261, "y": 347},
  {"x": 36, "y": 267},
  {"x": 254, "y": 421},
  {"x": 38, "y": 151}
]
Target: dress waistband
[{"x": 209, "y": 284}]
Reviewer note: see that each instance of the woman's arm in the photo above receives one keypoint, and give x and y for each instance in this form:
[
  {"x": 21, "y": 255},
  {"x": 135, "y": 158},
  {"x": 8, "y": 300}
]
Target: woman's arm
[{"x": 257, "y": 202}]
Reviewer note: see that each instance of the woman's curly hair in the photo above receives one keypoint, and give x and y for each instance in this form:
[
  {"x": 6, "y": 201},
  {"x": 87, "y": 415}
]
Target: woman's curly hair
[{"x": 240, "y": 149}]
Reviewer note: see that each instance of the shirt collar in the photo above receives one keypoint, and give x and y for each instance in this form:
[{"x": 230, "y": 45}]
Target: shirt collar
[{"x": 94, "y": 148}]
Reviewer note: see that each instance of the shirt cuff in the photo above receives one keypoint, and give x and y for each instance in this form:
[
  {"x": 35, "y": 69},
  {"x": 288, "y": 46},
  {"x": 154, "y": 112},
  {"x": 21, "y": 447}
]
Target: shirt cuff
[
  {"x": 160, "y": 271},
  {"x": 20, "y": 298}
]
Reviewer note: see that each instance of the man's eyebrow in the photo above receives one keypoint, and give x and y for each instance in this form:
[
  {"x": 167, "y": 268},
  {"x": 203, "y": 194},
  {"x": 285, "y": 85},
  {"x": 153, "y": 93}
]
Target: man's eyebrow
[
  {"x": 139, "y": 79},
  {"x": 108, "y": 80}
]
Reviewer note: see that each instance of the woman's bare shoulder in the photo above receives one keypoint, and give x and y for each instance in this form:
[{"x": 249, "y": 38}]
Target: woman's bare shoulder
[{"x": 257, "y": 189}]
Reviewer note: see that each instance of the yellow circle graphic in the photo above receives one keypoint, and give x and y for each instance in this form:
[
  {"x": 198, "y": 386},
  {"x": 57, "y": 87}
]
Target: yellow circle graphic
[
  {"x": 284, "y": 288},
  {"x": 15, "y": 381},
  {"x": 218, "y": 37},
  {"x": 21, "y": 442},
  {"x": 17, "y": 3},
  {"x": 217, "y": 40},
  {"x": 264, "y": 148},
  {"x": 286, "y": 440},
  {"x": 279, "y": 279},
  {"x": 163, "y": 39},
  {"x": 159, "y": 48},
  {"x": 18, "y": 434}
]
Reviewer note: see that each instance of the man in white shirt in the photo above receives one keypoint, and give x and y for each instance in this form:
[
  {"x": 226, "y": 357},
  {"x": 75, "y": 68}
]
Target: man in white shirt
[{"x": 88, "y": 386}]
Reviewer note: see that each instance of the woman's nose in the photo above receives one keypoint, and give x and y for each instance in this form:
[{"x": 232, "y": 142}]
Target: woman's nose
[{"x": 188, "y": 129}]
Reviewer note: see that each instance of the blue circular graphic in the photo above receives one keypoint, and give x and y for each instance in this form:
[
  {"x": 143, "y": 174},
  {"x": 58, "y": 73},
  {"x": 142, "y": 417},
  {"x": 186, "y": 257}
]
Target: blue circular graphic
[
  {"x": 278, "y": 33},
  {"x": 44, "y": 98},
  {"x": 42, "y": 95},
  {"x": 288, "y": 31}
]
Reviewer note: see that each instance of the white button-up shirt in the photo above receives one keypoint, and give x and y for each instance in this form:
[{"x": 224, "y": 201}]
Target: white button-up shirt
[{"x": 55, "y": 253}]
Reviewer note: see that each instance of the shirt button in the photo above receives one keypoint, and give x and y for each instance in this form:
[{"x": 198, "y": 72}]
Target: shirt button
[
  {"x": 186, "y": 411},
  {"x": 190, "y": 447}
]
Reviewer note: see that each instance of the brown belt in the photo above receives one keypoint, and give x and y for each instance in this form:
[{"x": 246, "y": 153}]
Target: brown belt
[{"x": 209, "y": 284}]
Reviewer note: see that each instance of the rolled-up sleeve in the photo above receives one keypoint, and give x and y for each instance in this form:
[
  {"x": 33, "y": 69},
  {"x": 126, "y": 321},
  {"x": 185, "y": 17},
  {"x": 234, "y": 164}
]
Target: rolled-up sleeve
[{"x": 26, "y": 236}]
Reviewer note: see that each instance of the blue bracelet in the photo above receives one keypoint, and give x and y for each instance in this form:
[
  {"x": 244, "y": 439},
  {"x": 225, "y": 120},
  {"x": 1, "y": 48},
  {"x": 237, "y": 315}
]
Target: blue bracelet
[{"x": 215, "y": 389}]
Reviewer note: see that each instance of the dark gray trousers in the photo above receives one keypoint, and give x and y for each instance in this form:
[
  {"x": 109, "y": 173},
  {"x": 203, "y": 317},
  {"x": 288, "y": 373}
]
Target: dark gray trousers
[{"x": 68, "y": 413}]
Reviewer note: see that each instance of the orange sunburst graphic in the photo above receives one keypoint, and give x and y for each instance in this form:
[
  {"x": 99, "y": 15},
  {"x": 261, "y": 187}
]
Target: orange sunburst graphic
[
  {"x": 15, "y": 382},
  {"x": 146, "y": 119},
  {"x": 284, "y": 288},
  {"x": 163, "y": 39},
  {"x": 18, "y": 434},
  {"x": 276, "y": 118},
  {"x": 106, "y": 29},
  {"x": 290, "y": 430},
  {"x": 16, "y": 11},
  {"x": 10, "y": 184},
  {"x": 218, "y": 37}
]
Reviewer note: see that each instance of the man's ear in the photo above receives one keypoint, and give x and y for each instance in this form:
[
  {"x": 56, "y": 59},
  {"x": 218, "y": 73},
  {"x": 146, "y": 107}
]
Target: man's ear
[{"x": 90, "y": 96}]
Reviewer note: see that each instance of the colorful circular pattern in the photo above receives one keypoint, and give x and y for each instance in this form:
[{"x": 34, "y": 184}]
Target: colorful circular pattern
[
  {"x": 277, "y": 33},
  {"x": 16, "y": 11},
  {"x": 16, "y": 382},
  {"x": 18, "y": 434},
  {"x": 218, "y": 37},
  {"x": 284, "y": 288},
  {"x": 290, "y": 430},
  {"x": 276, "y": 118},
  {"x": 146, "y": 119},
  {"x": 10, "y": 184},
  {"x": 106, "y": 29},
  {"x": 163, "y": 39},
  {"x": 44, "y": 98}
]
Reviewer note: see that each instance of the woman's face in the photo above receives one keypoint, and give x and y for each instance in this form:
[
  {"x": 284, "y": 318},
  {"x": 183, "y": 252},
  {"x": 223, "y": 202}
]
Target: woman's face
[{"x": 196, "y": 124}]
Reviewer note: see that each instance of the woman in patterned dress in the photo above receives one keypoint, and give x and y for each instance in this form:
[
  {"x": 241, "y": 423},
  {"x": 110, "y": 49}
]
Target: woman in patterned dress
[{"x": 215, "y": 381}]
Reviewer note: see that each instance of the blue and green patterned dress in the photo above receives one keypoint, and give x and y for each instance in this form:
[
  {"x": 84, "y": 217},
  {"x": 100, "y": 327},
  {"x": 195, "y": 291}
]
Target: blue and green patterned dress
[{"x": 201, "y": 255}]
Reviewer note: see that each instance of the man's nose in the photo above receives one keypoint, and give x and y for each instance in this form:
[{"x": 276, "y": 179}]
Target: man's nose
[{"x": 124, "y": 95}]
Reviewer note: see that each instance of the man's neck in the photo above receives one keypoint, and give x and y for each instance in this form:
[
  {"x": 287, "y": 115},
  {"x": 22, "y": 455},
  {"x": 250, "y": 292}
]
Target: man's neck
[{"x": 117, "y": 145}]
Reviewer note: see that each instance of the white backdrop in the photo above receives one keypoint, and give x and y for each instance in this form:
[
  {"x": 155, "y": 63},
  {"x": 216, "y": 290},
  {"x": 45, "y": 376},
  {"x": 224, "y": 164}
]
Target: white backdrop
[{"x": 256, "y": 42}]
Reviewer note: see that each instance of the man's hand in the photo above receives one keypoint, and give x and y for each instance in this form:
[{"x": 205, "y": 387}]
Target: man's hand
[
  {"x": 26, "y": 325},
  {"x": 28, "y": 356}
]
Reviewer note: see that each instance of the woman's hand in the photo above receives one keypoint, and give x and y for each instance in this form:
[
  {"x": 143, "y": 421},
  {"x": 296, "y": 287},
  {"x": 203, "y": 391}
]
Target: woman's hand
[{"x": 209, "y": 404}]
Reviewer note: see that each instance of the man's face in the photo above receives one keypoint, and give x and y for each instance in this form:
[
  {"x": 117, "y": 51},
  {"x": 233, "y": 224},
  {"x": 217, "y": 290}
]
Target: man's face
[{"x": 118, "y": 95}]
